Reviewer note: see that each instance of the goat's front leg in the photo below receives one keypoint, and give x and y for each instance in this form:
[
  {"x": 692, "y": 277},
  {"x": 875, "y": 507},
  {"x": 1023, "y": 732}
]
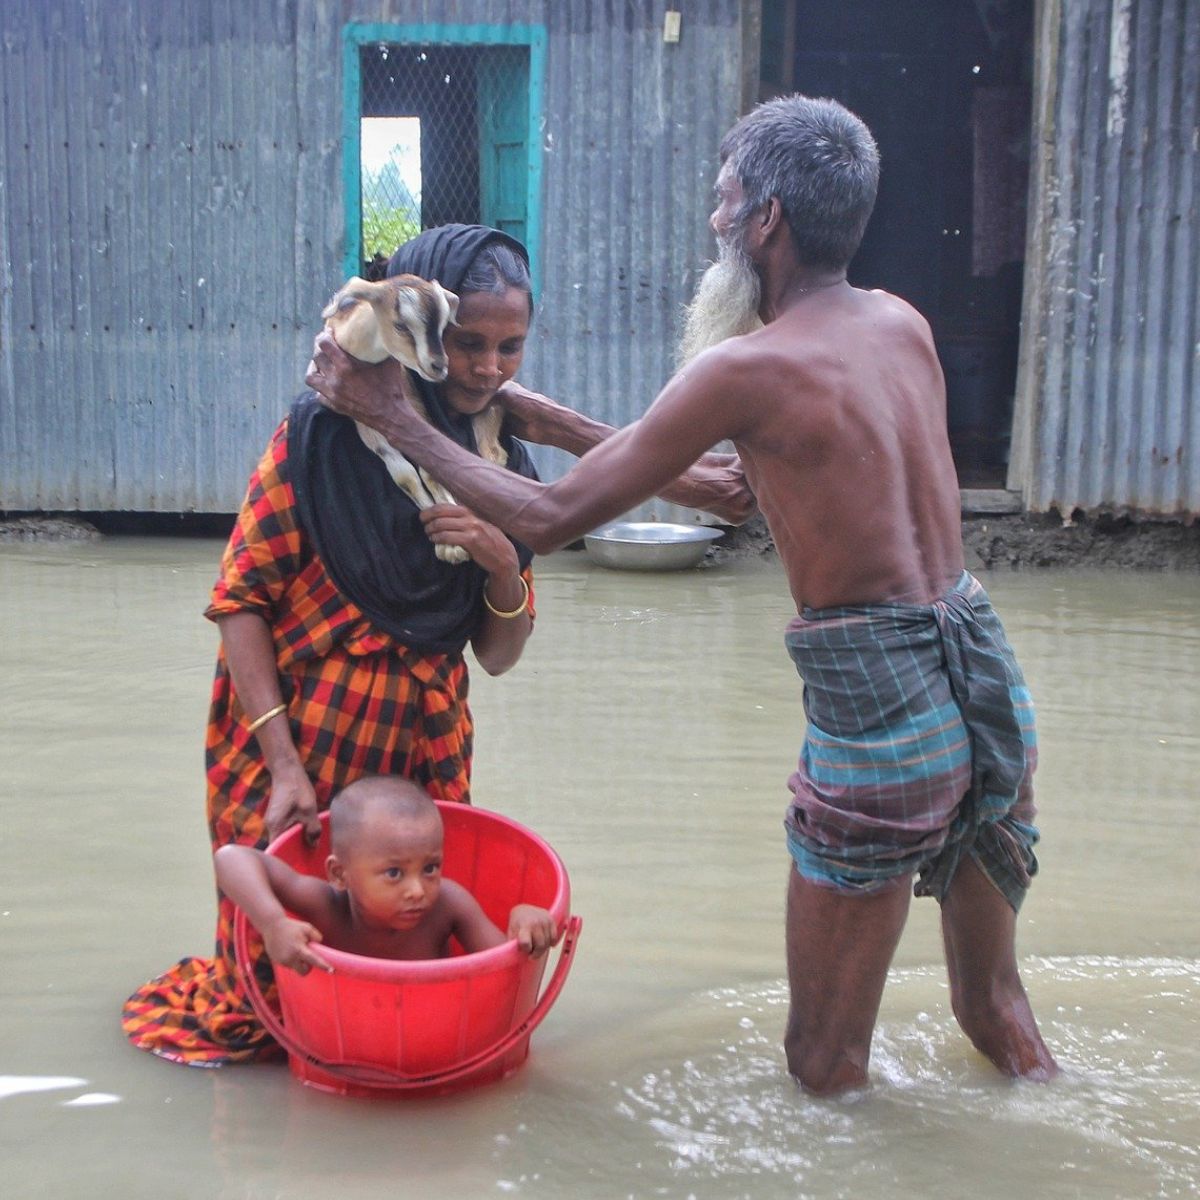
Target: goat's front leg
[
  {"x": 440, "y": 495},
  {"x": 420, "y": 488},
  {"x": 487, "y": 426}
]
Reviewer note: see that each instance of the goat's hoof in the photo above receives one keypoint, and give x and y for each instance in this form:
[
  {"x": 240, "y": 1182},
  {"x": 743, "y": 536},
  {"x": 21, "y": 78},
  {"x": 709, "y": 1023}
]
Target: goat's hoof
[{"x": 451, "y": 554}]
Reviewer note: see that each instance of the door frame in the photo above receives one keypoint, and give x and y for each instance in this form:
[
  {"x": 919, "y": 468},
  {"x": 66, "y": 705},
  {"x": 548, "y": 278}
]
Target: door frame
[{"x": 357, "y": 35}]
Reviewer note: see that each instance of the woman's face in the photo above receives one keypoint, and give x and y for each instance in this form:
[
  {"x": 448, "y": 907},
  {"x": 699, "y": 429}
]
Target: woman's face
[{"x": 484, "y": 349}]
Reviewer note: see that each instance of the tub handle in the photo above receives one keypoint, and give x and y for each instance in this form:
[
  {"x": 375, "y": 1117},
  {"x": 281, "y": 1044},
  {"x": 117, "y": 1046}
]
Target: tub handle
[{"x": 372, "y": 1075}]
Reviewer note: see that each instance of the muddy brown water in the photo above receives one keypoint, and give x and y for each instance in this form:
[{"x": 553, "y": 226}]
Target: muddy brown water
[{"x": 647, "y": 735}]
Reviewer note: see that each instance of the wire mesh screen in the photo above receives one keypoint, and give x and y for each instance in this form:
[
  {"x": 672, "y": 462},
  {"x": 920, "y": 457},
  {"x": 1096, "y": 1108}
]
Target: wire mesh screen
[{"x": 443, "y": 138}]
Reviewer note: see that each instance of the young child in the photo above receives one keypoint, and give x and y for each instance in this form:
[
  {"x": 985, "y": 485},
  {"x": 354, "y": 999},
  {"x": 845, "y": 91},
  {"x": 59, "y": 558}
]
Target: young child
[{"x": 385, "y": 896}]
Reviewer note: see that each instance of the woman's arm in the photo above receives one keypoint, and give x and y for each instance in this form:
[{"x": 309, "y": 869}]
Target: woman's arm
[
  {"x": 260, "y": 561},
  {"x": 715, "y": 484},
  {"x": 260, "y": 886},
  {"x": 250, "y": 655},
  {"x": 499, "y": 640}
]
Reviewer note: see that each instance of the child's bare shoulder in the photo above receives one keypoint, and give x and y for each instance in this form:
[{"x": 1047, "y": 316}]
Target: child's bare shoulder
[{"x": 456, "y": 897}]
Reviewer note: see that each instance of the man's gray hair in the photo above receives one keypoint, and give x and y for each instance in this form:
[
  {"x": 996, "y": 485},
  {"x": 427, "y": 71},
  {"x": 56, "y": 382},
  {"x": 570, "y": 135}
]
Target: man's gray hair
[{"x": 822, "y": 164}]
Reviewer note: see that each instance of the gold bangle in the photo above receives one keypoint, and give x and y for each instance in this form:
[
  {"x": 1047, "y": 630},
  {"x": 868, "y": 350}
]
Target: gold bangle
[
  {"x": 516, "y": 612},
  {"x": 261, "y": 721}
]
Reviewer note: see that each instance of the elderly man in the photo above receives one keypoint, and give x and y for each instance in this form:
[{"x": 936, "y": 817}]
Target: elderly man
[{"x": 920, "y": 744}]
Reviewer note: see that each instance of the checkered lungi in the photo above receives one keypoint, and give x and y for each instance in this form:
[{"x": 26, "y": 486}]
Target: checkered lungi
[{"x": 920, "y": 746}]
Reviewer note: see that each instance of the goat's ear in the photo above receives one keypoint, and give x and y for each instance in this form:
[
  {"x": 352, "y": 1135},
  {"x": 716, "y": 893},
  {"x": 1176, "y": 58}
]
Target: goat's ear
[
  {"x": 359, "y": 289},
  {"x": 351, "y": 292},
  {"x": 451, "y": 303}
]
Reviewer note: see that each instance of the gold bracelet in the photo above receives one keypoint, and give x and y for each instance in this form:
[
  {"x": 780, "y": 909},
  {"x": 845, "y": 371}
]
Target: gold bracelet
[
  {"x": 261, "y": 721},
  {"x": 516, "y": 612}
]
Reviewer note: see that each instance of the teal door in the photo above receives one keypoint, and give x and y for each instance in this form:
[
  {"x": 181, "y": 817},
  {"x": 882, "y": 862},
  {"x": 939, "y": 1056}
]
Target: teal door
[{"x": 503, "y": 100}]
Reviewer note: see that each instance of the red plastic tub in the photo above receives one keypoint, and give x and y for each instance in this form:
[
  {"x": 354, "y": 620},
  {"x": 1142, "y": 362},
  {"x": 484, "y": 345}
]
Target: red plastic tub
[{"x": 384, "y": 1027}]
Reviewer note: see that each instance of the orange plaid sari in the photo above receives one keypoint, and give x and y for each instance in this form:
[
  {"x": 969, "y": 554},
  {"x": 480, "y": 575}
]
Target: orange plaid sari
[{"x": 359, "y": 704}]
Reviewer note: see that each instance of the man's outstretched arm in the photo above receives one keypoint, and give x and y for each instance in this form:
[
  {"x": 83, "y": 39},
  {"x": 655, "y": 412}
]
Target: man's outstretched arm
[
  {"x": 626, "y": 468},
  {"x": 715, "y": 483}
]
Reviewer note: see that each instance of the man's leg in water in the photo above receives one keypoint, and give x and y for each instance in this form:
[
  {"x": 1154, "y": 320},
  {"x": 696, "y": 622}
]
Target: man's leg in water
[
  {"x": 988, "y": 998},
  {"x": 839, "y": 947}
]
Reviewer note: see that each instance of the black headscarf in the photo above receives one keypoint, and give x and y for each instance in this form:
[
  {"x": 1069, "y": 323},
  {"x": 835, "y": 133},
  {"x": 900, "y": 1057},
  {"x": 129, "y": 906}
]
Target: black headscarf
[{"x": 366, "y": 530}]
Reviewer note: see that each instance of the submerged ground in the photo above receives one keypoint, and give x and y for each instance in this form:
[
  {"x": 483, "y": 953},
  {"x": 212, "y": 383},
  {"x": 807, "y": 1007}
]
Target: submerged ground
[{"x": 647, "y": 734}]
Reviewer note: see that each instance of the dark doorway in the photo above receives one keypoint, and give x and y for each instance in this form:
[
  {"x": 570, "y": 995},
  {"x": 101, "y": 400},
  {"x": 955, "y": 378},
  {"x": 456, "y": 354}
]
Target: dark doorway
[{"x": 945, "y": 87}]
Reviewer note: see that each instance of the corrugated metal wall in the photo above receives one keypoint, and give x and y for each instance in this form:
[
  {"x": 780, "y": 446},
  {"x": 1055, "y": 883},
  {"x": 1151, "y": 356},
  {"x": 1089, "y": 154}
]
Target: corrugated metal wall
[
  {"x": 1109, "y": 394},
  {"x": 631, "y": 142},
  {"x": 170, "y": 222},
  {"x": 169, "y": 206}
]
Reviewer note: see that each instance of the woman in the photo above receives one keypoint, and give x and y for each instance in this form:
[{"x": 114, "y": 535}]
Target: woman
[{"x": 342, "y": 634}]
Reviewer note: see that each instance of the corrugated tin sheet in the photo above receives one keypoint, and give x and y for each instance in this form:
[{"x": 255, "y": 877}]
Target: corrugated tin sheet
[
  {"x": 633, "y": 127},
  {"x": 171, "y": 223},
  {"x": 170, "y": 220},
  {"x": 1109, "y": 392}
]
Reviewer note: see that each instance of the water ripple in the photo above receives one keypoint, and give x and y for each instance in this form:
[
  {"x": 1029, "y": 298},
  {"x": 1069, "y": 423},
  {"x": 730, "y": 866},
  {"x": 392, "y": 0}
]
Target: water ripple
[{"x": 1123, "y": 1113}]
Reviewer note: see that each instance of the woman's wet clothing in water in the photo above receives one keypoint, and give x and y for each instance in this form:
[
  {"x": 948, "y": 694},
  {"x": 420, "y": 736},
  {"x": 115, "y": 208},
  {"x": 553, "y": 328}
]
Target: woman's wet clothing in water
[
  {"x": 920, "y": 746},
  {"x": 360, "y": 702}
]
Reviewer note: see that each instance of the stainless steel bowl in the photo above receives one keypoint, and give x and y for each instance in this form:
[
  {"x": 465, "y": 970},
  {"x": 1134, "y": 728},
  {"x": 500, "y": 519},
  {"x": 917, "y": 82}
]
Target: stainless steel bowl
[{"x": 649, "y": 545}]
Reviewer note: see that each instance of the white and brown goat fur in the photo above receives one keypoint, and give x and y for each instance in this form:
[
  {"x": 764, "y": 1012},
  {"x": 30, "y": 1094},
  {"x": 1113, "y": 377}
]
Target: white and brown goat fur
[{"x": 404, "y": 318}]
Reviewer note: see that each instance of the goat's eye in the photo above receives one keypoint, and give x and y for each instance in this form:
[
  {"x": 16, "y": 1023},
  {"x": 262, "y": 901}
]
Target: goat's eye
[{"x": 403, "y": 331}]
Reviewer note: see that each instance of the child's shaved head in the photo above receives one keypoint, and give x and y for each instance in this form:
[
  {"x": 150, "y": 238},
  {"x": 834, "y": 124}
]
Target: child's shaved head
[{"x": 389, "y": 796}]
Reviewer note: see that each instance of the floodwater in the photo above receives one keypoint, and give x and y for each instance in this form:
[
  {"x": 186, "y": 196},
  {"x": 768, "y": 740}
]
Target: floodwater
[{"x": 647, "y": 735}]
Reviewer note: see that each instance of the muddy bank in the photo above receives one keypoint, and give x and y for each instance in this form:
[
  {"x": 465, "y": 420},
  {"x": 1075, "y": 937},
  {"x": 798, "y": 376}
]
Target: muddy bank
[
  {"x": 1021, "y": 540},
  {"x": 1043, "y": 540},
  {"x": 48, "y": 529},
  {"x": 1036, "y": 540},
  {"x": 88, "y": 526}
]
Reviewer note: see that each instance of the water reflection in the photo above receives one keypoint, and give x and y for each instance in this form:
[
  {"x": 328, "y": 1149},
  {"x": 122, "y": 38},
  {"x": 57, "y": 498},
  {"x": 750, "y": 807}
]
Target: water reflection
[{"x": 648, "y": 735}]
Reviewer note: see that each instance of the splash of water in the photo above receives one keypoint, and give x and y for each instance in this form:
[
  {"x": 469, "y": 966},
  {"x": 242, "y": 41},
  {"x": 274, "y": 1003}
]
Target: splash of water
[{"x": 1124, "y": 1109}]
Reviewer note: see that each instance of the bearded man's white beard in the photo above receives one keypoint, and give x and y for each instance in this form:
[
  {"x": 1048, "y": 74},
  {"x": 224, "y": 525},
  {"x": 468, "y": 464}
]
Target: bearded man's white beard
[{"x": 725, "y": 304}]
